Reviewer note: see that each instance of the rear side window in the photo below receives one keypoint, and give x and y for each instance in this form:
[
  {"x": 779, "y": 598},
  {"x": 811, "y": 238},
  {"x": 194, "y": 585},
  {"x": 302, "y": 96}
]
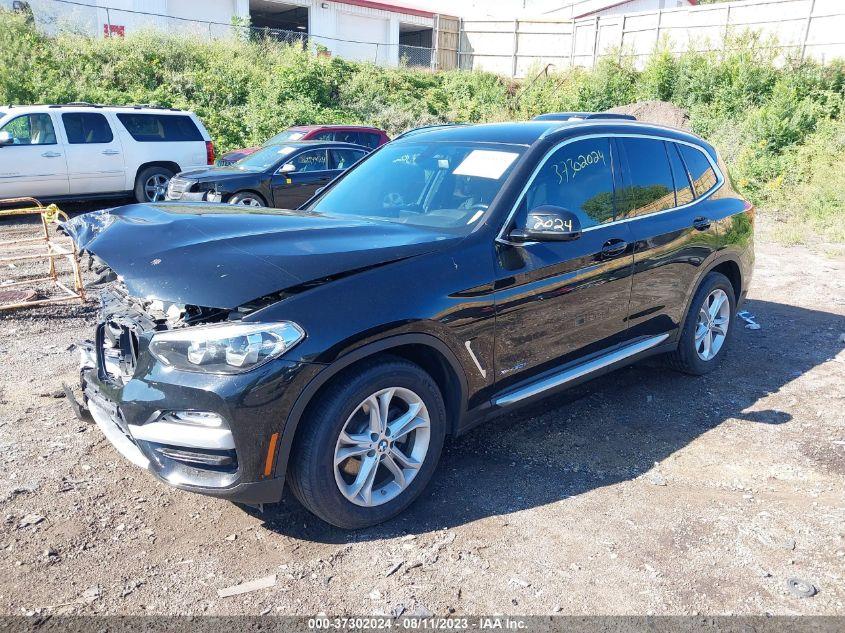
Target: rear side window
[
  {"x": 347, "y": 136},
  {"x": 344, "y": 158},
  {"x": 86, "y": 127},
  {"x": 577, "y": 177},
  {"x": 160, "y": 128},
  {"x": 683, "y": 190},
  {"x": 322, "y": 136},
  {"x": 699, "y": 168},
  {"x": 647, "y": 185},
  {"x": 369, "y": 139}
]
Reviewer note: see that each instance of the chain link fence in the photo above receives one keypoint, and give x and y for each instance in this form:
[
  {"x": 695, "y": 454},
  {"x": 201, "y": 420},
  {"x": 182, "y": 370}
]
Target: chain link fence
[{"x": 82, "y": 18}]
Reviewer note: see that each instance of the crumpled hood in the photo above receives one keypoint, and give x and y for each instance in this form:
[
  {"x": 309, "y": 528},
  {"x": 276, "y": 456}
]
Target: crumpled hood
[
  {"x": 204, "y": 174},
  {"x": 223, "y": 256}
]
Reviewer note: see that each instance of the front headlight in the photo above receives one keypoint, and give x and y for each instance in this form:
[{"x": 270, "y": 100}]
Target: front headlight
[{"x": 225, "y": 348}]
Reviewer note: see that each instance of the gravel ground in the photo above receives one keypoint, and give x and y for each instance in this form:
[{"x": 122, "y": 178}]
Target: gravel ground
[{"x": 643, "y": 492}]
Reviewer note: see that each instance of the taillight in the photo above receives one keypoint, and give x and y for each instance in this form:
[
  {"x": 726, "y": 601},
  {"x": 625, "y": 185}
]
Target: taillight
[{"x": 209, "y": 152}]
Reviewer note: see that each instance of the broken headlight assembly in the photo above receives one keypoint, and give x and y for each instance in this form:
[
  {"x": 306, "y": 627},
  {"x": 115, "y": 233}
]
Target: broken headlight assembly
[{"x": 224, "y": 348}]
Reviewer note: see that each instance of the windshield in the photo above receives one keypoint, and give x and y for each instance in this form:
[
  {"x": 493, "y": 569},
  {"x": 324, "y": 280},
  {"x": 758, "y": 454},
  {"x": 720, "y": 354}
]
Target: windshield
[
  {"x": 442, "y": 185},
  {"x": 264, "y": 159},
  {"x": 284, "y": 137}
]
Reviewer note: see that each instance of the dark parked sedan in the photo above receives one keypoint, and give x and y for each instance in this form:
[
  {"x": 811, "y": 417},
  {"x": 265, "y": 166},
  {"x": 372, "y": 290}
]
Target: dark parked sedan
[
  {"x": 371, "y": 137},
  {"x": 282, "y": 176}
]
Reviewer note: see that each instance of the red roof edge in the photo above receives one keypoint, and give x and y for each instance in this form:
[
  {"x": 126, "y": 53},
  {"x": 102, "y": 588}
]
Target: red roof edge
[{"x": 393, "y": 8}]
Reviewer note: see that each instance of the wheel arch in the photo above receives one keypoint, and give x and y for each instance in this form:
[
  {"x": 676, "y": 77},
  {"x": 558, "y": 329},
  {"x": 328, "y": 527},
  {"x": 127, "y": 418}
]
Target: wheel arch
[
  {"x": 425, "y": 350},
  {"x": 726, "y": 264},
  {"x": 167, "y": 164},
  {"x": 730, "y": 269}
]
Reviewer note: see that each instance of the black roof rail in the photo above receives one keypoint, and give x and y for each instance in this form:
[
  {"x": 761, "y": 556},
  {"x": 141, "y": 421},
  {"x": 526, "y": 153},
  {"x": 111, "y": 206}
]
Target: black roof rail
[
  {"x": 134, "y": 106},
  {"x": 570, "y": 116},
  {"x": 75, "y": 104}
]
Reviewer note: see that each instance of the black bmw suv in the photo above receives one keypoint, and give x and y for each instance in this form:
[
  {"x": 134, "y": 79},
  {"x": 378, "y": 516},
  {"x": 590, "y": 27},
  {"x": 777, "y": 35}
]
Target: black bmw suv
[{"x": 450, "y": 276}]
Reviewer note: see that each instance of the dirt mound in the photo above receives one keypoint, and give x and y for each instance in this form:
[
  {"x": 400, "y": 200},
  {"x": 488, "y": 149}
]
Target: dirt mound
[{"x": 659, "y": 112}]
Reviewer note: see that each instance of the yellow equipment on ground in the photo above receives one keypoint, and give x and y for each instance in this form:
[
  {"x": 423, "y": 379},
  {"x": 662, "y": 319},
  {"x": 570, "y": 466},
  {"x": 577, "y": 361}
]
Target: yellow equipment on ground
[{"x": 22, "y": 282}]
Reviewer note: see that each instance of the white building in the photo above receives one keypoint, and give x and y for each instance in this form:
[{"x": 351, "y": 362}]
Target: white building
[{"x": 354, "y": 29}]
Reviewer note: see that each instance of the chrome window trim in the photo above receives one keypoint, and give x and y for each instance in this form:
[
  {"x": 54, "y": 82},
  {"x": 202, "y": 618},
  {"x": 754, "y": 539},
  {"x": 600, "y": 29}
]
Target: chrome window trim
[{"x": 720, "y": 180}]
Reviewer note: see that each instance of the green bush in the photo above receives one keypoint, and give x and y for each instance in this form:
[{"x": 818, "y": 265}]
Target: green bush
[{"x": 779, "y": 126}]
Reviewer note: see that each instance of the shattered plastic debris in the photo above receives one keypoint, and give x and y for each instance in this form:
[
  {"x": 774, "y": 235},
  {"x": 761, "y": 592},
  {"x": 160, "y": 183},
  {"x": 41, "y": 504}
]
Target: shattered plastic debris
[{"x": 750, "y": 320}]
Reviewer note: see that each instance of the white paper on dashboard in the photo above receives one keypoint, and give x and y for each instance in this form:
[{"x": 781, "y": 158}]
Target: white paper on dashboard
[{"x": 485, "y": 164}]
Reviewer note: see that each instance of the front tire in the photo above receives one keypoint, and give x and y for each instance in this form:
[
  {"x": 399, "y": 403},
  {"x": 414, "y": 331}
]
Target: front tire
[
  {"x": 370, "y": 445},
  {"x": 248, "y": 199},
  {"x": 708, "y": 327},
  {"x": 151, "y": 184}
]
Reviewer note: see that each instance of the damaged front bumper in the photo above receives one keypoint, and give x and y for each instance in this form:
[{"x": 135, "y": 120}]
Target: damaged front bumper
[
  {"x": 193, "y": 196},
  {"x": 214, "y": 435}
]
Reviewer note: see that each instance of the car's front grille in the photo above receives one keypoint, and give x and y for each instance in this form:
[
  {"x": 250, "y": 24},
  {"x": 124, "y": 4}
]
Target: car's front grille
[{"x": 177, "y": 187}]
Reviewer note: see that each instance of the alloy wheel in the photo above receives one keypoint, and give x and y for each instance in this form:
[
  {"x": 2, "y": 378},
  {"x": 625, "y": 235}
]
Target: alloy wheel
[
  {"x": 249, "y": 202},
  {"x": 711, "y": 329},
  {"x": 382, "y": 446},
  {"x": 156, "y": 187}
]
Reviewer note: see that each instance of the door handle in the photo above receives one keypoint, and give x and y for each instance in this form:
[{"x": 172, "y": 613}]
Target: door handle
[
  {"x": 111, "y": 152},
  {"x": 613, "y": 248},
  {"x": 701, "y": 223},
  {"x": 51, "y": 154}
]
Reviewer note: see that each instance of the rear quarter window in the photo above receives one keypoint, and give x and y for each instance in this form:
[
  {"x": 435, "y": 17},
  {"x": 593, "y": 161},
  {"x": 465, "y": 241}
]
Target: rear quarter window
[
  {"x": 160, "y": 128},
  {"x": 683, "y": 190},
  {"x": 699, "y": 168}
]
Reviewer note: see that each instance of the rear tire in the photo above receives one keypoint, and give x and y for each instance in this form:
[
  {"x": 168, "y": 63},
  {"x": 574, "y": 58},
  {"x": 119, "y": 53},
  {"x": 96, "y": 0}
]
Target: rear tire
[
  {"x": 151, "y": 184},
  {"x": 339, "y": 449},
  {"x": 708, "y": 327}
]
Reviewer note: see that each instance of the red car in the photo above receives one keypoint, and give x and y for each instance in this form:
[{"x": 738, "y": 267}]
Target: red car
[{"x": 358, "y": 134}]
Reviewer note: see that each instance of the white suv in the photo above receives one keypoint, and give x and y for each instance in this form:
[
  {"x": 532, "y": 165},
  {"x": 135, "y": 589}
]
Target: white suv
[{"x": 80, "y": 150}]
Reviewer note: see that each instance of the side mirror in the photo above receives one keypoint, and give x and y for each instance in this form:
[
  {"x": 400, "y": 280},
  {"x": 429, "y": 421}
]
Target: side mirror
[
  {"x": 548, "y": 223},
  {"x": 287, "y": 168},
  {"x": 6, "y": 139}
]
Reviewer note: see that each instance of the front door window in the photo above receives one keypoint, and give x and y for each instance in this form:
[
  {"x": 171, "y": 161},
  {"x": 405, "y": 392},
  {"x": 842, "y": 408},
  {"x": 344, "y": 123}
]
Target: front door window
[{"x": 31, "y": 129}]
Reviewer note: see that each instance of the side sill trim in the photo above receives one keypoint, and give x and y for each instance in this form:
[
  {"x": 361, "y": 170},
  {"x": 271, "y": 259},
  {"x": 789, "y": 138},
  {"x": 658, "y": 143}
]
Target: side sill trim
[{"x": 578, "y": 371}]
